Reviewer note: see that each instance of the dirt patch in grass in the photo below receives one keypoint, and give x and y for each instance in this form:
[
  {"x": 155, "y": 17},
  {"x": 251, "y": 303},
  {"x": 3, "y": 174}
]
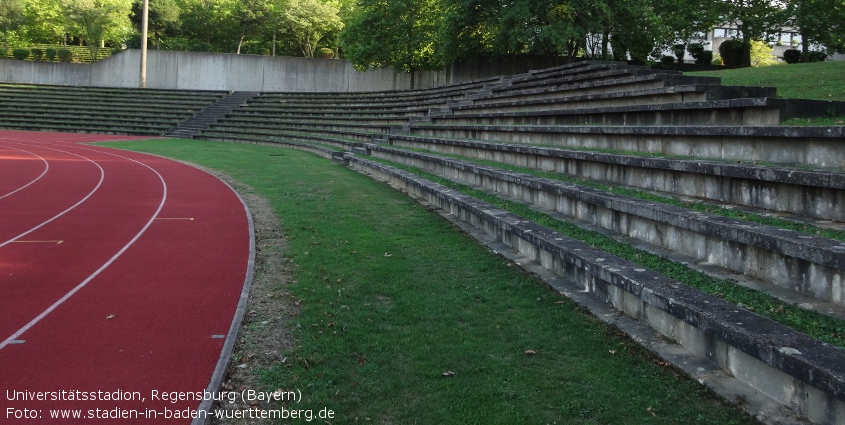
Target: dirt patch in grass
[{"x": 265, "y": 334}]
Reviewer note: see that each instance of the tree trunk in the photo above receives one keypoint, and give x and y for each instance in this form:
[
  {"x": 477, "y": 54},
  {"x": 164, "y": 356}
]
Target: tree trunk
[
  {"x": 805, "y": 46},
  {"x": 240, "y": 43}
]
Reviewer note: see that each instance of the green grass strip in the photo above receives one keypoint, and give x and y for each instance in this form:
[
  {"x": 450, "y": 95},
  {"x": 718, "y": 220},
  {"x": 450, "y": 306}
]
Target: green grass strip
[
  {"x": 393, "y": 296},
  {"x": 817, "y": 325}
]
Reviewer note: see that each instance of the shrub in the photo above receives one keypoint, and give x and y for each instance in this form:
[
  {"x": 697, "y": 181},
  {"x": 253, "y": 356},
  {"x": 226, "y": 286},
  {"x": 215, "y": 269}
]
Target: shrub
[
  {"x": 816, "y": 56},
  {"x": 679, "y": 50},
  {"x": 706, "y": 58},
  {"x": 717, "y": 61},
  {"x": 201, "y": 47},
  {"x": 50, "y": 53},
  {"x": 735, "y": 53},
  {"x": 792, "y": 56},
  {"x": 4, "y": 53},
  {"x": 37, "y": 54},
  {"x": 695, "y": 50},
  {"x": 324, "y": 52},
  {"x": 667, "y": 60},
  {"x": 20, "y": 54},
  {"x": 65, "y": 55}
]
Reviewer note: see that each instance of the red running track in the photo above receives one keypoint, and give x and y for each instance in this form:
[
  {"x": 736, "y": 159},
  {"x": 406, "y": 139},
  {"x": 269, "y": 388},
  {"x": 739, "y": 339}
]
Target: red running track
[{"x": 120, "y": 275}]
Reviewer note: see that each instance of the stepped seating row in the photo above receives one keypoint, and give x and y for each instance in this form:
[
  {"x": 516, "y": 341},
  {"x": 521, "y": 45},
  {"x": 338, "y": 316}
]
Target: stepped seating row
[
  {"x": 663, "y": 133},
  {"x": 99, "y": 110}
]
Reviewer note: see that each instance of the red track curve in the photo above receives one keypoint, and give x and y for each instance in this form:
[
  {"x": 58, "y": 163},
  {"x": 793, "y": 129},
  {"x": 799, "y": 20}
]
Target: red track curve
[{"x": 120, "y": 272}]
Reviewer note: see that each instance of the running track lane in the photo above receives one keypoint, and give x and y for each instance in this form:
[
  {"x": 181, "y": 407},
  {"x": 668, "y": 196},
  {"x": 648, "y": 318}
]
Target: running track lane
[{"x": 127, "y": 284}]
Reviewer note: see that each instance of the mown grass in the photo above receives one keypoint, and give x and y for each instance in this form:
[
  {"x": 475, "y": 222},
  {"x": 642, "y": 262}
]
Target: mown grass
[
  {"x": 818, "y": 80},
  {"x": 407, "y": 320}
]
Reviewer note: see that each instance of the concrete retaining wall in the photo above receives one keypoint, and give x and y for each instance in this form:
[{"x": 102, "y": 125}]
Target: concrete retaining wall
[
  {"x": 217, "y": 71},
  {"x": 208, "y": 71}
]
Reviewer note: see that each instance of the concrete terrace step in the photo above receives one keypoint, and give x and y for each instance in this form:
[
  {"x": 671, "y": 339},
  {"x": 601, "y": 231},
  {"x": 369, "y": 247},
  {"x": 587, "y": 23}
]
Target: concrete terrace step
[
  {"x": 753, "y": 111},
  {"x": 673, "y": 94},
  {"x": 210, "y": 115},
  {"x": 810, "y": 146},
  {"x": 808, "y": 265},
  {"x": 775, "y": 189}
]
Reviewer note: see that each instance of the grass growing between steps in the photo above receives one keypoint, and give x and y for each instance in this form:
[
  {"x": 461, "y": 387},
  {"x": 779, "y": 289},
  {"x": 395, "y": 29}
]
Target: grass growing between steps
[
  {"x": 704, "y": 207},
  {"x": 817, "y": 325},
  {"x": 404, "y": 319}
]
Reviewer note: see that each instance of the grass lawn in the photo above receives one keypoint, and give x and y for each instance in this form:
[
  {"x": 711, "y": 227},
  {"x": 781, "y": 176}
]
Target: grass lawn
[
  {"x": 818, "y": 80},
  {"x": 406, "y": 320}
]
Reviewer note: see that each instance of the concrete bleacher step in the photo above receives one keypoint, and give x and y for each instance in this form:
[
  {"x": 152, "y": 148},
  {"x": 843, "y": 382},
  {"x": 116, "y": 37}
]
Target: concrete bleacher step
[
  {"x": 210, "y": 115},
  {"x": 97, "y": 110},
  {"x": 776, "y": 190},
  {"x": 807, "y": 146},
  {"x": 751, "y": 111},
  {"x": 808, "y": 265}
]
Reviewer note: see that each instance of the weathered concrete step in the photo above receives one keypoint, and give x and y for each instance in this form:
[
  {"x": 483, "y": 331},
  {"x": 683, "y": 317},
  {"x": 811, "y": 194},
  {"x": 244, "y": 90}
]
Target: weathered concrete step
[
  {"x": 751, "y": 111},
  {"x": 811, "y": 146},
  {"x": 808, "y": 193},
  {"x": 674, "y": 94},
  {"x": 796, "y": 372},
  {"x": 806, "y": 264}
]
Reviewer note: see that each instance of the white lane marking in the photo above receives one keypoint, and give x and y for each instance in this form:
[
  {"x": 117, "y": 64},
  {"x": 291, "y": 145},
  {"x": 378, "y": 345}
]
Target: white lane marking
[
  {"x": 89, "y": 195},
  {"x": 46, "y": 167},
  {"x": 105, "y": 265}
]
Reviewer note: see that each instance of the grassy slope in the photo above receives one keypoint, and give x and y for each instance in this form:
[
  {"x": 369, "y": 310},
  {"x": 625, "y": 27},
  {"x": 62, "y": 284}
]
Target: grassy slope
[
  {"x": 820, "y": 80},
  {"x": 393, "y": 296}
]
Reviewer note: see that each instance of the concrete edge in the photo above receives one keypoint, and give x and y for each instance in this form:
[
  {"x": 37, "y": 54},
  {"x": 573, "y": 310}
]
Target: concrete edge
[{"x": 225, "y": 359}]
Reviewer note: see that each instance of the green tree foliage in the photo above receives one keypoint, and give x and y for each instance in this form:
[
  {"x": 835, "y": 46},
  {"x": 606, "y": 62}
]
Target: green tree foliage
[
  {"x": 308, "y": 22},
  {"x": 46, "y": 21},
  {"x": 753, "y": 18},
  {"x": 397, "y": 33},
  {"x": 162, "y": 18},
  {"x": 819, "y": 22},
  {"x": 250, "y": 17},
  {"x": 96, "y": 21},
  {"x": 11, "y": 18},
  {"x": 762, "y": 54}
]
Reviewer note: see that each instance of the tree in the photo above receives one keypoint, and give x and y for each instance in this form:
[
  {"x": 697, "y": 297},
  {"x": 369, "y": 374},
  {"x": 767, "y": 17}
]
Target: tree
[
  {"x": 307, "y": 22},
  {"x": 761, "y": 54},
  {"x": 753, "y": 19},
  {"x": 95, "y": 21},
  {"x": 11, "y": 18},
  {"x": 162, "y": 17},
  {"x": 46, "y": 21},
  {"x": 251, "y": 17},
  {"x": 468, "y": 29},
  {"x": 819, "y": 22},
  {"x": 397, "y": 33}
]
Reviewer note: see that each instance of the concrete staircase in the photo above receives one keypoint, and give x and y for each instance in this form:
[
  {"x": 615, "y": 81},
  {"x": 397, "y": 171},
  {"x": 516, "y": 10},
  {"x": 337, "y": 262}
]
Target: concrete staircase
[{"x": 205, "y": 118}]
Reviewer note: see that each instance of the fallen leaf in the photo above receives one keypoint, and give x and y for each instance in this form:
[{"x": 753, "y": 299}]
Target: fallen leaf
[
  {"x": 650, "y": 410},
  {"x": 388, "y": 255},
  {"x": 110, "y": 316},
  {"x": 530, "y": 352},
  {"x": 611, "y": 351},
  {"x": 448, "y": 374}
]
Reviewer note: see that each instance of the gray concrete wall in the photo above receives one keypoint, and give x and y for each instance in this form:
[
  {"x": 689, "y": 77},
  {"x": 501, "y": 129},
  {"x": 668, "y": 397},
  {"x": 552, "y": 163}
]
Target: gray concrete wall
[
  {"x": 217, "y": 71},
  {"x": 208, "y": 71}
]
